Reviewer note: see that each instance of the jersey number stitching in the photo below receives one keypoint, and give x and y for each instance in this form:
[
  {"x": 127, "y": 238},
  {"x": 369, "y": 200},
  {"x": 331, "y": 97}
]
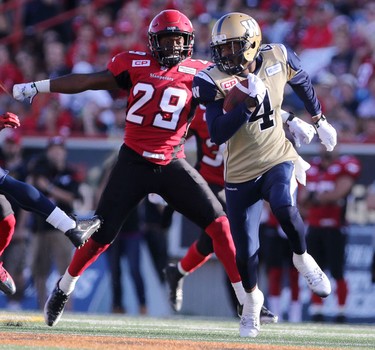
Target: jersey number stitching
[
  {"x": 171, "y": 104},
  {"x": 264, "y": 112}
]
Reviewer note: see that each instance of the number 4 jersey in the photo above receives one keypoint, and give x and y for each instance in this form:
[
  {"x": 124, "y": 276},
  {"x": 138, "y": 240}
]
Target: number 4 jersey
[
  {"x": 159, "y": 103},
  {"x": 260, "y": 143}
]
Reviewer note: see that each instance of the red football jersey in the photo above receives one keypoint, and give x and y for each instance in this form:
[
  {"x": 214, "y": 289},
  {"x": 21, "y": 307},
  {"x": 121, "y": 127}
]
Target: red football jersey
[
  {"x": 210, "y": 155},
  {"x": 159, "y": 103},
  {"x": 320, "y": 180}
]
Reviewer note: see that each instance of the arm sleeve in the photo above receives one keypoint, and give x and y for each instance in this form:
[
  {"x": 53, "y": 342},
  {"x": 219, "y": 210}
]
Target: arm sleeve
[
  {"x": 223, "y": 126},
  {"x": 301, "y": 84},
  {"x": 220, "y": 126}
]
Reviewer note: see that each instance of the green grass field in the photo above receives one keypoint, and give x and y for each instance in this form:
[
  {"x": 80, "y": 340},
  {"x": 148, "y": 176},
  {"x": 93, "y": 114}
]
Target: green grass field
[{"x": 87, "y": 331}]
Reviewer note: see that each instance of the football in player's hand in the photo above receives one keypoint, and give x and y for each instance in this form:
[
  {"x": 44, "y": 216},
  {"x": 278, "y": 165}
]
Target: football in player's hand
[{"x": 238, "y": 94}]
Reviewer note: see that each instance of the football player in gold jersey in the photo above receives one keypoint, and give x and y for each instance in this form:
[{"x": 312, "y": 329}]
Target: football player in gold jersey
[{"x": 260, "y": 162}]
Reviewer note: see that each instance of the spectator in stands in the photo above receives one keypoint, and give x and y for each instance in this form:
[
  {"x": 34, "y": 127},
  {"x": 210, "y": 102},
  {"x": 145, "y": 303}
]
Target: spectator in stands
[
  {"x": 341, "y": 62},
  {"x": 346, "y": 93},
  {"x": 52, "y": 175},
  {"x": 37, "y": 11},
  {"x": 10, "y": 74},
  {"x": 366, "y": 108},
  {"x": 84, "y": 47},
  {"x": 55, "y": 58},
  {"x": 26, "y": 62},
  {"x": 318, "y": 33},
  {"x": 366, "y": 114},
  {"x": 90, "y": 108},
  {"x": 119, "y": 26},
  {"x": 202, "y": 36}
]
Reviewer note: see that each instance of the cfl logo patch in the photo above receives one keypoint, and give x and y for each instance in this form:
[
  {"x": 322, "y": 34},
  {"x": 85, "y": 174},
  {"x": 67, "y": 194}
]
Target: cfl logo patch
[
  {"x": 251, "y": 27},
  {"x": 226, "y": 85},
  {"x": 141, "y": 63}
]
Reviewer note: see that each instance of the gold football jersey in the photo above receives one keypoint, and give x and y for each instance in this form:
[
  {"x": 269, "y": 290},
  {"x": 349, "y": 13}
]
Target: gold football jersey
[{"x": 261, "y": 143}]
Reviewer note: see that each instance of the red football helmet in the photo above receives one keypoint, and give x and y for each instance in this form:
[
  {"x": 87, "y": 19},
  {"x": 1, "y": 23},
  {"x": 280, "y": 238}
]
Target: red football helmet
[{"x": 170, "y": 22}]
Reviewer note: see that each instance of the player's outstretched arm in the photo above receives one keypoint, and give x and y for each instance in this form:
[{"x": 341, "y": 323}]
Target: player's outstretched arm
[
  {"x": 67, "y": 84},
  {"x": 9, "y": 120}
]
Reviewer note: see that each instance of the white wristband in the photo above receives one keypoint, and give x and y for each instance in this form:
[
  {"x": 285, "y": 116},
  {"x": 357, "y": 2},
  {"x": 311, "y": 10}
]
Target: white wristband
[{"x": 43, "y": 85}]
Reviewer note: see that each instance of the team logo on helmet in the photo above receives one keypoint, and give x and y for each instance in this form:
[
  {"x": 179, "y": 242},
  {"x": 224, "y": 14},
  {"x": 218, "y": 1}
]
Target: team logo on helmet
[{"x": 244, "y": 35}]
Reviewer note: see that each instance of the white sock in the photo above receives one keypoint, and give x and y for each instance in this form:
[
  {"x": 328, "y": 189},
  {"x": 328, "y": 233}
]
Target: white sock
[
  {"x": 240, "y": 292},
  {"x": 68, "y": 283},
  {"x": 300, "y": 257},
  {"x": 181, "y": 270},
  {"x": 58, "y": 219},
  {"x": 253, "y": 300}
]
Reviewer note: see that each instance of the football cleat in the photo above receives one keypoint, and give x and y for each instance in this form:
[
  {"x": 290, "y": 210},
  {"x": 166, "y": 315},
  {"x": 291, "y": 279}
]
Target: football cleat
[
  {"x": 83, "y": 231},
  {"x": 316, "y": 279},
  {"x": 250, "y": 319},
  {"x": 7, "y": 285},
  {"x": 266, "y": 316},
  {"x": 54, "y": 307},
  {"x": 175, "y": 282}
]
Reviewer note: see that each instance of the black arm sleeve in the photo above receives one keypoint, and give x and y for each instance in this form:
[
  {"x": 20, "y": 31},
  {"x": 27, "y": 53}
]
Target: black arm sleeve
[{"x": 301, "y": 84}]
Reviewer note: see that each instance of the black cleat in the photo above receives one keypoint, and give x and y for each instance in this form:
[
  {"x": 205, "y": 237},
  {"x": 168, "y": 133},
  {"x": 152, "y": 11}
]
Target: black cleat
[
  {"x": 266, "y": 316},
  {"x": 175, "y": 282},
  {"x": 7, "y": 285},
  {"x": 83, "y": 231},
  {"x": 54, "y": 307}
]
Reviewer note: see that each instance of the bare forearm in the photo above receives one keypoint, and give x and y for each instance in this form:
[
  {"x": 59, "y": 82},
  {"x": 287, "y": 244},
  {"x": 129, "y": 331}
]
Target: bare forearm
[{"x": 74, "y": 83}]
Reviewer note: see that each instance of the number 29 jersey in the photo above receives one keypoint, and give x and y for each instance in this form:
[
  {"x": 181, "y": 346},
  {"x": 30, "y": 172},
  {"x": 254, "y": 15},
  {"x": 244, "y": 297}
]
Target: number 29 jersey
[{"x": 159, "y": 103}]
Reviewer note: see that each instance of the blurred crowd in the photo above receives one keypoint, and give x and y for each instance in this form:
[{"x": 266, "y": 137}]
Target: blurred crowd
[{"x": 333, "y": 38}]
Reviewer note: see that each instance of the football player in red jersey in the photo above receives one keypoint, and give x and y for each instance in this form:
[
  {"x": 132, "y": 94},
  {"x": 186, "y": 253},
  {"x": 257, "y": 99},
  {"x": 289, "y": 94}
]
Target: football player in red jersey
[
  {"x": 31, "y": 199},
  {"x": 329, "y": 182},
  {"x": 152, "y": 158}
]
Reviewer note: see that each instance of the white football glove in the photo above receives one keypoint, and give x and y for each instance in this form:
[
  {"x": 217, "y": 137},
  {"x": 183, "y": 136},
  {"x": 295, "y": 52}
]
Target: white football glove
[
  {"x": 257, "y": 89},
  {"x": 301, "y": 131},
  {"x": 23, "y": 91},
  {"x": 326, "y": 133}
]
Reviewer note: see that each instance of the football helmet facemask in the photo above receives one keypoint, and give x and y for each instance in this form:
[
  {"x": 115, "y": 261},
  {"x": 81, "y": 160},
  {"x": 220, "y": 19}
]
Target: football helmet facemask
[
  {"x": 170, "y": 22},
  {"x": 234, "y": 28}
]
